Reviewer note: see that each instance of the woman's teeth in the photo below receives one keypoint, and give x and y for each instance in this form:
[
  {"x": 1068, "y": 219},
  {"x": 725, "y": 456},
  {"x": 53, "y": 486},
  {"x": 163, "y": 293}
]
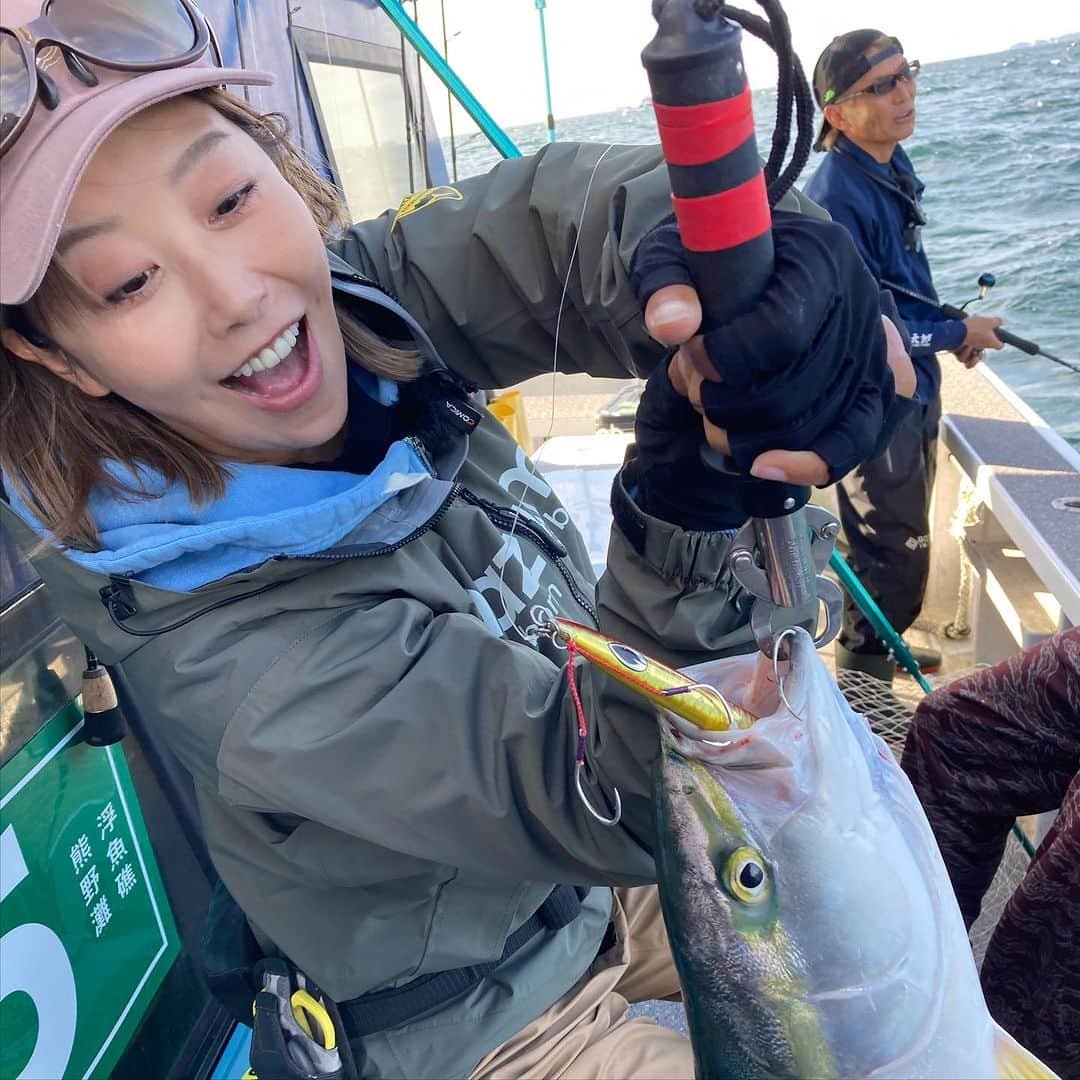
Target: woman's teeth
[{"x": 272, "y": 355}]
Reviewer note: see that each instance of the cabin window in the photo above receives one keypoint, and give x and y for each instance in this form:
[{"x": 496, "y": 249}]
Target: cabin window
[
  {"x": 40, "y": 660},
  {"x": 16, "y": 573},
  {"x": 364, "y": 106}
]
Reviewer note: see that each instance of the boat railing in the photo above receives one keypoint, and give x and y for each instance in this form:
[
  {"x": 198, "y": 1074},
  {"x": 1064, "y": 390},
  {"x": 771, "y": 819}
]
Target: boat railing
[{"x": 1008, "y": 490}]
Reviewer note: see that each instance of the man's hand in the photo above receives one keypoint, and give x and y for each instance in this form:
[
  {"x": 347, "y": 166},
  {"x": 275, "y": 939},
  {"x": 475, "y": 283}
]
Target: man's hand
[
  {"x": 969, "y": 356},
  {"x": 979, "y": 337},
  {"x": 979, "y": 333}
]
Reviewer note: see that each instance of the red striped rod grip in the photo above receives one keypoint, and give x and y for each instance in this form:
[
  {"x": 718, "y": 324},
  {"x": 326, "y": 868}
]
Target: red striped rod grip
[
  {"x": 725, "y": 220},
  {"x": 697, "y": 134}
]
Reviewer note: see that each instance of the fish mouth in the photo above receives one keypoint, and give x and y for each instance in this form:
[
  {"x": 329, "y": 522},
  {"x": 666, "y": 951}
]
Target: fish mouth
[{"x": 773, "y": 694}]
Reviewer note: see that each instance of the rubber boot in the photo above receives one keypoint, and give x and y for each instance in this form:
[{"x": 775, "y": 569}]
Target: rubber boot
[
  {"x": 879, "y": 665},
  {"x": 929, "y": 660}
]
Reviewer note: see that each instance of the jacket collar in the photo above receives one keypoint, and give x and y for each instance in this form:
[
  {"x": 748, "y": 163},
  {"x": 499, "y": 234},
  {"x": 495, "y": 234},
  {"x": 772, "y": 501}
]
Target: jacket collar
[{"x": 885, "y": 173}]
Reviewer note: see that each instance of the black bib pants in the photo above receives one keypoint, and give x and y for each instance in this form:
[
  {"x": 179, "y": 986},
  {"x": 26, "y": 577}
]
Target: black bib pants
[{"x": 885, "y": 511}]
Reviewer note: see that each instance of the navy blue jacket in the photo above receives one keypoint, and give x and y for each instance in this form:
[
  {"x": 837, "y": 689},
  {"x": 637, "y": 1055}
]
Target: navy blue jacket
[{"x": 866, "y": 198}]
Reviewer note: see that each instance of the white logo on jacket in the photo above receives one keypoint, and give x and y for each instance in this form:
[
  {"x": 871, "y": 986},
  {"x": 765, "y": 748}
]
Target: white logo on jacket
[{"x": 510, "y": 591}]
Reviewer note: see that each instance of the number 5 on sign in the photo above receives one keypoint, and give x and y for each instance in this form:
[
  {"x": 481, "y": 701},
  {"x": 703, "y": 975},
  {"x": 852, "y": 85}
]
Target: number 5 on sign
[
  {"x": 33, "y": 961},
  {"x": 86, "y": 934}
]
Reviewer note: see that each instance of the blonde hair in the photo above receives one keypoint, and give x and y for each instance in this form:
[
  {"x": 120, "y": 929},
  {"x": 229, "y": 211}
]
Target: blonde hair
[{"x": 56, "y": 441}]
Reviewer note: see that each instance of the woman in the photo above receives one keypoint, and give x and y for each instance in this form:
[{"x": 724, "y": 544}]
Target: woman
[{"x": 267, "y": 491}]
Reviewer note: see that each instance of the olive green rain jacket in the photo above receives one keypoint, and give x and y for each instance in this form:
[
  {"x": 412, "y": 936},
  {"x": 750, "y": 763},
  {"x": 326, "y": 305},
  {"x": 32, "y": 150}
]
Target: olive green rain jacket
[{"x": 381, "y": 739}]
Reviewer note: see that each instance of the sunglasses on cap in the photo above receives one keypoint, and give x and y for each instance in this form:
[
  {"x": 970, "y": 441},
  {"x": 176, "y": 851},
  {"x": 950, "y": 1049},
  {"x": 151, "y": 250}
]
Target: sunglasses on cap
[
  {"x": 886, "y": 84},
  {"x": 147, "y": 35}
]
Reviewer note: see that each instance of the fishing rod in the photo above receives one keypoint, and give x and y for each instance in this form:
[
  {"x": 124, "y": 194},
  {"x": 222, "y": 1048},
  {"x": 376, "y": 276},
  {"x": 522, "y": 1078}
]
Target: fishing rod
[
  {"x": 722, "y": 204},
  {"x": 986, "y": 282}
]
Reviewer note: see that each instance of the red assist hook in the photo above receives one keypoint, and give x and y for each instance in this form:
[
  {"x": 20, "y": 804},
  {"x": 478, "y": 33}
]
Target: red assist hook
[{"x": 703, "y": 111}]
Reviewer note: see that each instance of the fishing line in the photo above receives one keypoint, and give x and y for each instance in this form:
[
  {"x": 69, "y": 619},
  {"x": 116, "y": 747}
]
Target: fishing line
[
  {"x": 519, "y": 507},
  {"x": 580, "y": 764}
]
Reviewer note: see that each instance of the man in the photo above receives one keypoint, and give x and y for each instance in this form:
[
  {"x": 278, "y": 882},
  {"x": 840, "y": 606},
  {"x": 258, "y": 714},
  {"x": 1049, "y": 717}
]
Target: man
[{"x": 866, "y": 89}]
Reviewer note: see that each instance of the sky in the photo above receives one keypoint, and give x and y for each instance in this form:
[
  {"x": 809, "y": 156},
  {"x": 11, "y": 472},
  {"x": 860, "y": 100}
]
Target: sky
[{"x": 594, "y": 46}]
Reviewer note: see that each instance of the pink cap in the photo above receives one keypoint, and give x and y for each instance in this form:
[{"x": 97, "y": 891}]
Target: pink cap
[{"x": 39, "y": 173}]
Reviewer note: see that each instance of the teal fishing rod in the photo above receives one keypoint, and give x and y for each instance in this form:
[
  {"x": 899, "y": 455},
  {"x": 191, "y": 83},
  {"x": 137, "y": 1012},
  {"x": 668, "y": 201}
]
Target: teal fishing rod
[
  {"x": 540, "y": 4},
  {"x": 877, "y": 618},
  {"x": 449, "y": 78}
]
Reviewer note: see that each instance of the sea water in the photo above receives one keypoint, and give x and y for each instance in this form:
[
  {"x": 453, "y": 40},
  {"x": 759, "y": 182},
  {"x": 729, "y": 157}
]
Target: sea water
[{"x": 997, "y": 142}]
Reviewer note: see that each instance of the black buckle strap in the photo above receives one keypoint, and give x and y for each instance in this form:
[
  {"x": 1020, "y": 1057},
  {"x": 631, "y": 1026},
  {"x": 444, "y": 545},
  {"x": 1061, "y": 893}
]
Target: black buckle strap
[{"x": 385, "y": 1009}]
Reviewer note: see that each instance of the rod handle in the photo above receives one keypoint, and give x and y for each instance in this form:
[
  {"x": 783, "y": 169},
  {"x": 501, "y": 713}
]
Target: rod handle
[{"x": 1017, "y": 342}]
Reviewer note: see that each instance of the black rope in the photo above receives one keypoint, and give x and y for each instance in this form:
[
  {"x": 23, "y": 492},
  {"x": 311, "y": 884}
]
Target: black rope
[
  {"x": 785, "y": 94},
  {"x": 792, "y": 91}
]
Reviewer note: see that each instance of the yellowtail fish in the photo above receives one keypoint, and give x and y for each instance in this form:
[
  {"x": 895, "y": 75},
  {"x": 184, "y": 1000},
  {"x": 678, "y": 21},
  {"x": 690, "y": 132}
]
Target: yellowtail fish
[
  {"x": 703, "y": 706},
  {"x": 810, "y": 914}
]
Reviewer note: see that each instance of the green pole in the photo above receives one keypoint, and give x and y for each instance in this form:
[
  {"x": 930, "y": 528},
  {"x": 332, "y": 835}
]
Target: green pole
[
  {"x": 499, "y": 139},
  {"x": 547, "y": 73},
  {"x": 876, "y": 618},
  {"x": 449, "y": 96}
]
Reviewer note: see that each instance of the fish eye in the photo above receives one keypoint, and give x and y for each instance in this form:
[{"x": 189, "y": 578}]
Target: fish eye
[{"x": 746, "y": 876}]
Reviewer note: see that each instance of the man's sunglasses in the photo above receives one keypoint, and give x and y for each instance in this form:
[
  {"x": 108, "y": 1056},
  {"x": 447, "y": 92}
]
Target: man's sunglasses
[
  {"x": 887, "y": 83},
  {"x": 127, "y": 35}
]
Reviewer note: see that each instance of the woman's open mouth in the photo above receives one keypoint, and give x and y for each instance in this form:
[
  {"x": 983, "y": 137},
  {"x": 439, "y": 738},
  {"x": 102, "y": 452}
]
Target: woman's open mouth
[{"x": 285, "y": 373}]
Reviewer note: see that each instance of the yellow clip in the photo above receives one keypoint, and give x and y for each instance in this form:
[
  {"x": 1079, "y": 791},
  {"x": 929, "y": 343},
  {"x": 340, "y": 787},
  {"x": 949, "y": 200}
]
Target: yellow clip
[{"x": 305, "y": 1006}]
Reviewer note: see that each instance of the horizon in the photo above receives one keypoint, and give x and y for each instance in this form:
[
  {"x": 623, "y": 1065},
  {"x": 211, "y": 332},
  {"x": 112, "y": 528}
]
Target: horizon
[
  {"x": 772, "y": 86},
  {"x": 509, "y": 83}
]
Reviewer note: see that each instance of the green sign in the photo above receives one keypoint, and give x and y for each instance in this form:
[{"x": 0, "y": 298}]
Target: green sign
[{"x": 86, "y": 935}]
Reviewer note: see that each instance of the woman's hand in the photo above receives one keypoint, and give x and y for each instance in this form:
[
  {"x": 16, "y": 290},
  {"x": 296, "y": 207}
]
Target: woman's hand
[
  {"x": 673, "y": 317},
  {"x": 803, "y": 386}
]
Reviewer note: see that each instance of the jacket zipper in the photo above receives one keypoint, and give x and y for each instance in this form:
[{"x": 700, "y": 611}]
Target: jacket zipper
[
  {"x": 514, "y": 522},
  {"x": 360, "y": 279},
  {"x": 120, "y": 602}
]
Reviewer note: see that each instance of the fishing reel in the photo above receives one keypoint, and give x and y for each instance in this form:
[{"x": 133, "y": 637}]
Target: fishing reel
[{"x": 986, "y": 282}]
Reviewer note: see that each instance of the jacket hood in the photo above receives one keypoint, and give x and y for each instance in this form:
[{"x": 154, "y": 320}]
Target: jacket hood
[{"x": 167, "y": 540}]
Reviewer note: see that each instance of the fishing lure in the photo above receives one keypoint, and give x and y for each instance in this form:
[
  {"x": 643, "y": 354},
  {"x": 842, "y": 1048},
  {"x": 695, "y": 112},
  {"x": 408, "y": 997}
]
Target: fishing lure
[{"x": 701, "y": 705}]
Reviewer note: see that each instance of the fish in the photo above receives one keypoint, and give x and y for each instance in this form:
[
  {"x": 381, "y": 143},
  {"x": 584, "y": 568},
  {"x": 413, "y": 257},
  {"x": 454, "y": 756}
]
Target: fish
[{"x": 810, "y": 915}]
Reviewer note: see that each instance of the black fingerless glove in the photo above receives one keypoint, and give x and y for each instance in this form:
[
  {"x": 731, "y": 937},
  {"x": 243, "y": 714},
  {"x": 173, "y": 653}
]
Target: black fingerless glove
[
  {"x": 674, "y": 483},
  {"x": 806, "y": 368}
]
